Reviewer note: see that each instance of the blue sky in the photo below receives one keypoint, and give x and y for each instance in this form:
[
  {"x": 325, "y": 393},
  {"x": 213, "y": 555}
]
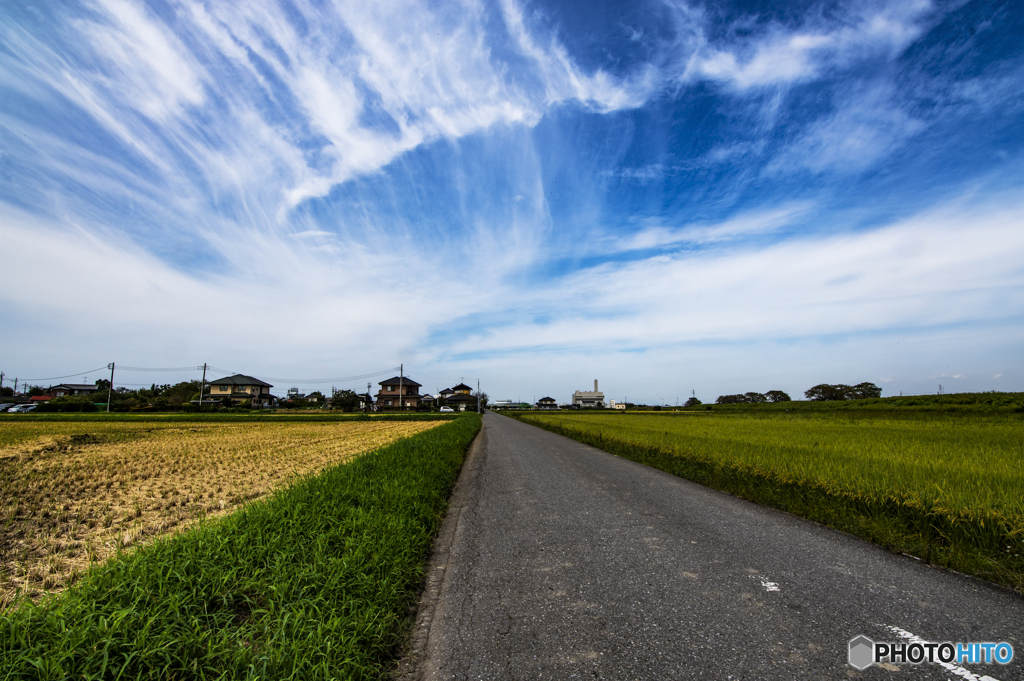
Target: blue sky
[{"x": 666, "y": 196}]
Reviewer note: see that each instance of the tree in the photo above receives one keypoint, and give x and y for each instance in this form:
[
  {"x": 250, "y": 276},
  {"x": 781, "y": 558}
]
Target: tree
[
  {"x": 346, "y": 400},
  {"x": 777, "y": 396},
  {"x": 863, "y": 391},
  {"x": 181, "y": 393},
  {"x": 315, "y": 396},
  {"x": 730, "y": 399},
  {"x": 6, "y": 391},
  {"x": 482, "y": 396},
  {"x": 840, "y": 391},
  {"x": 754, "y": 398},
  {"x": 824, "y": 392},
  {"x": 691, "y": 402}
]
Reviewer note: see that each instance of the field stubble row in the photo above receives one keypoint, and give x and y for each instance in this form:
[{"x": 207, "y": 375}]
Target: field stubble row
[{"x": 72, "y": 494}]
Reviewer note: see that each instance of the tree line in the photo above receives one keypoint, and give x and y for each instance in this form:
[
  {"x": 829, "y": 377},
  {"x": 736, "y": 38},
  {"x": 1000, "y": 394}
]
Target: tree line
[
  {"x": 754, "y": 398},
  {"x": 820, "y": 392}
]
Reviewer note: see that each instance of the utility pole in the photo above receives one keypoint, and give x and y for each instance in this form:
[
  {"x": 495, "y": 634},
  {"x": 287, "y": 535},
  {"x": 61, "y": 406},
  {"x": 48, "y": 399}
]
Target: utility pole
[
  {"x": 1, "y": 380},
  {"x": 478, "y": 396},
  {"x": 202, "y": 386},
  {"x": 400, "y": 398},
  {"x": 110, "y": 388},
  {"x": 15, "y": 385}
]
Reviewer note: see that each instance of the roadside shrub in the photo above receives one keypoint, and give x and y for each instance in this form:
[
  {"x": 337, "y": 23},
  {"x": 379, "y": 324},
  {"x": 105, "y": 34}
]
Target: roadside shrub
[{"x": 73, "y": 403}]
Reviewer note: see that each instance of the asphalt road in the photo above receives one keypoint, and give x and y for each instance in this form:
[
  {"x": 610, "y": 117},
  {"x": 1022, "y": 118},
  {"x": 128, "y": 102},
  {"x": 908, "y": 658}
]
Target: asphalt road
[{"x": 560, "y": 561}]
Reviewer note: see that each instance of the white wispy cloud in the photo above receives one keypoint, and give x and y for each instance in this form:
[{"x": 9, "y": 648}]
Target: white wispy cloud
[
  {"x": 291, "y": 302},
  {"x": 780, "y": 55},
  {"x": 921, "y": 272},
  {"x": 564, "y": 80},
  {"x": 868, "y": 123},
  {"x": 148, "y": 66},
  {"x": 745, "y": 225}
]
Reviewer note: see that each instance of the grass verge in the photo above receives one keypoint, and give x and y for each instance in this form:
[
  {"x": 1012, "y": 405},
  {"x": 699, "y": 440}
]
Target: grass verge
[
  {"x": 314, "y": 582},
  {"x": 984, "y": 542}
]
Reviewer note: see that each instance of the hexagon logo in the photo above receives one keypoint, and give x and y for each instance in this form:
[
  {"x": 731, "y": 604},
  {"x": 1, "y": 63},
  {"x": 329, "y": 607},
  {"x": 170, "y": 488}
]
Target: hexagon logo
[{"x": 862, "y": 652}]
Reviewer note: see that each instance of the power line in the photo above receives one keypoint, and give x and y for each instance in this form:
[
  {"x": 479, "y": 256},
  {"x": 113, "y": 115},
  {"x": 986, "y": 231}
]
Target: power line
[
  {"x": 160, "y": 369},
  {"x": 77, "y": 373},
  {"x": 335, "y": 379},
  {"x": 439, "y": 378},
  {"x": 338, "y": 379}
]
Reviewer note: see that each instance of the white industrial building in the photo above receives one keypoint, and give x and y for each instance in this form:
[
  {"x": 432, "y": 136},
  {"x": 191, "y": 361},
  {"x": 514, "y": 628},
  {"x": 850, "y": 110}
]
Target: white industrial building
[{"x": 582, "y": 398}]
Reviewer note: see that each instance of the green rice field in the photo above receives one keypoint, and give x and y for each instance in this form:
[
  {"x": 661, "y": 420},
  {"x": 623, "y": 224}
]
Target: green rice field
[{"x": 948, "y": 488}]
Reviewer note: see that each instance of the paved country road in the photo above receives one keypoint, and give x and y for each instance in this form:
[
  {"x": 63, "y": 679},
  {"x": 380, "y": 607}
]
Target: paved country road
[{"x": 560, "y": 561}]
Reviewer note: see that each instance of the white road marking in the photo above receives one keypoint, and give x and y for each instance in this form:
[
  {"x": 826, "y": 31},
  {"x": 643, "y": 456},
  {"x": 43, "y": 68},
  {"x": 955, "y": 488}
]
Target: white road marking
[
  {"x": 955, "y": 669},
  {"x": 768, "y": 586}
]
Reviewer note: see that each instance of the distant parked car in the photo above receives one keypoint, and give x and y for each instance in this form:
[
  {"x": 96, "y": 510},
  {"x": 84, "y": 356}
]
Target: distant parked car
[
  {"x": 22, "y": 408},
  {"x": 6, "y": 406},
  {"x": 447, "y": 410}
]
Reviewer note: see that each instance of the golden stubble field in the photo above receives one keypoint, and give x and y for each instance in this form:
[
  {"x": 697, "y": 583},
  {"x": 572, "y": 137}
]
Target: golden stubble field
[{"x": 72, "y": 494}]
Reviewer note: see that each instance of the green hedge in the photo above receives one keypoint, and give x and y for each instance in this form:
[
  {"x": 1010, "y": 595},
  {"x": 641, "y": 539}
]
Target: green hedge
[{"x": 314, "y": 582}]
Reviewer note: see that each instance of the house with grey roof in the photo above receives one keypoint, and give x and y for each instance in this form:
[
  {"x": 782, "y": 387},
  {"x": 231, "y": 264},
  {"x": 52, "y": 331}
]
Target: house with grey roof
[{"x": 242, "y": 390}]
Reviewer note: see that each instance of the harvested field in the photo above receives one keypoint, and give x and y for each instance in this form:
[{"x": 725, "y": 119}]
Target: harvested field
[{"x": 72, "y": 494}]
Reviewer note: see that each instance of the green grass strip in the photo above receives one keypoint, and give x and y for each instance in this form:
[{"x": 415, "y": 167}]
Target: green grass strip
[
  {"x": 314, "y": 582},
  {"x": 984, "y": 543}
]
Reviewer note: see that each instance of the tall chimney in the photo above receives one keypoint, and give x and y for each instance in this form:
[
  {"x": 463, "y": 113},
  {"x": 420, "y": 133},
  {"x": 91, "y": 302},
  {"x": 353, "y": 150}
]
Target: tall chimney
[{"x": 595, "y": 385}]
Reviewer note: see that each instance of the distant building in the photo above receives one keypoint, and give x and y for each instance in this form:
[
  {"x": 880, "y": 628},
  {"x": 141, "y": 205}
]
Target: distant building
[
  {"x": 399, "y": 393},
  {"x": 461, "y": 401},
  {"x": 459, "y": 398},
  {"x": 502, "y": 404},
  {"x": 242, "y": 389},
  {"x": 65, "y": 389},
  {"x": 547, "y": 403},
  {"x": 612, "y": 404},
  {"x": 588, "y": 399}
]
